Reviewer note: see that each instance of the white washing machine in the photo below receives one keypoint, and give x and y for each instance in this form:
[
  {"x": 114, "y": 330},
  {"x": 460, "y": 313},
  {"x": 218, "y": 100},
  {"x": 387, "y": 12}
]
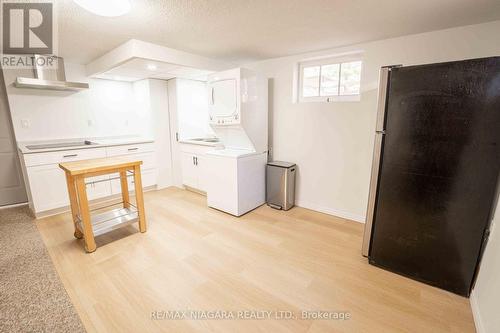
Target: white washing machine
[{"x": 237, "y": 182}]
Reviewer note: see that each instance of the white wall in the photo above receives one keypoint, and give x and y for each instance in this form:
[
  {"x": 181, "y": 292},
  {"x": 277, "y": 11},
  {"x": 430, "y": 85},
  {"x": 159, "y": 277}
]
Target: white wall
[
  {"x": 332, "y": 142},
  {"x": 151, "y": 98},
  {"x": 192, "y": 109},
  {"x": 106, "y": 109},
  {"x": 485, "y": 298}
]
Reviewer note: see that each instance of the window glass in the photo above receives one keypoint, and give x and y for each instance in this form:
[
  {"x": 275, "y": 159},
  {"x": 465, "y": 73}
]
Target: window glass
[
  {"x": 330, "y": 80},
  {"x": 310, "y": 81},
  {"x": 350, "y": 76}
]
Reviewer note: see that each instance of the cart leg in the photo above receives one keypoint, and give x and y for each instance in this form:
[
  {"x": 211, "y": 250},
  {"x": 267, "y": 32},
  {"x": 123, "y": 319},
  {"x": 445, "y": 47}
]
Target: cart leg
[
  {"x": 74, "y": 204},
  {"x": 88, "y": 234},
  {"x": 124, "y": 186},
  {"x": 139, "y": 198}
]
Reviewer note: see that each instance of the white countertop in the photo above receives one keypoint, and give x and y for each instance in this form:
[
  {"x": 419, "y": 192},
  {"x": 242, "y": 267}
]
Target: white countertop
[
  {"x": 233, "y": 153},
  {"x": 96, "y": 143},
  {"x": 201, "y": 143}
]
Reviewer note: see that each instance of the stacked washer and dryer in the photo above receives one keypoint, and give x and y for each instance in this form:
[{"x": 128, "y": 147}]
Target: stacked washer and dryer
[{"x": 238, "y": 115}]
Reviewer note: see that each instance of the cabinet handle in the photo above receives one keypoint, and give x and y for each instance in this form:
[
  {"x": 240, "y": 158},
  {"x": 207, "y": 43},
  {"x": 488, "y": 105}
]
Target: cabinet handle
[
  {"x": 196, "y": 161},
  {"x": 131, "y": 149},
  {"x": 72, "y": 155}
]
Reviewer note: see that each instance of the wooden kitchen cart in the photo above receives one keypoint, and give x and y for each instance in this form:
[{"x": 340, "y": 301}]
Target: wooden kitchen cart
[{"x": 88, "y": 225}]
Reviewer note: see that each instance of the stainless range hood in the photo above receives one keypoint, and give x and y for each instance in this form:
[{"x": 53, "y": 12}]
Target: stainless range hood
[{"x": 49, "y": 78}]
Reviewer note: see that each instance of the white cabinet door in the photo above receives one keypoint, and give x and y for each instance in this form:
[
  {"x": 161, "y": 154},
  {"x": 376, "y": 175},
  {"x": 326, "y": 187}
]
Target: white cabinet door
[
  {"x": 48, "y": 187},
  {"x": 223, "y": 98},
  {"x": 201, "y": 165},
  {"x": 189, "y": 170},
  {"x": 148, "y": 178},
  {"x": 98, "y": 190}
]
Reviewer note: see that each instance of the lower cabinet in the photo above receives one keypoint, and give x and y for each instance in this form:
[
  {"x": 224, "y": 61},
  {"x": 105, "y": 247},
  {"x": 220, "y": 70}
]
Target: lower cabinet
[
  {"x": 47, "y": 182},
  {"x": 193, "y": 174},
  {"x": 189, "y": 172},
  {"x": 148, "y": 178},
  {"x": 98, "y": 190},
  {"x": 201, "y": 164},
  {"x": 49, "y": 189},
  {"x": 149, "y": 169}
]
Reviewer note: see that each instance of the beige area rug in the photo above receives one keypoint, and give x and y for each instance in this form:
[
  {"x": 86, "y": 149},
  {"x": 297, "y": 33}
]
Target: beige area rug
[{"x": 32, "y": 298}]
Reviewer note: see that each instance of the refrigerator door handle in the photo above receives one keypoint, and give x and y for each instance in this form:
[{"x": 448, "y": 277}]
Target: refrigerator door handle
[{"x": 377, "y": 151}]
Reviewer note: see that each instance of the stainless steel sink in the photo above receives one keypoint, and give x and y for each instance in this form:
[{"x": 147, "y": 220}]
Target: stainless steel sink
[{"x": 61, "y": 145}]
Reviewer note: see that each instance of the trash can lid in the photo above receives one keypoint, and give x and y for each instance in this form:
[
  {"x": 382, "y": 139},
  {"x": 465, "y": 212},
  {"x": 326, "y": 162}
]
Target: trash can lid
[{"x": 281, "y": 164}]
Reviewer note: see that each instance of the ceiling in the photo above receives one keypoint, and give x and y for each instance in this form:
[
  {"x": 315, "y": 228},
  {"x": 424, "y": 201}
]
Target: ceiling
[{"x": 240, "y": 31}]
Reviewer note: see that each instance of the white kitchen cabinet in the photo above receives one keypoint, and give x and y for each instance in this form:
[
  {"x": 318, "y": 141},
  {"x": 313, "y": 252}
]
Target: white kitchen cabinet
[
  {"x": 49, "y": 189},
  {"x": 189, "y": 170},
  {"x": 149, "y": 168},
  {"x": 98, "y": 190},
  {"x": 46, "y": 182},
  {"x": 130, "y": 149},
  {"x": 201, "y": 165},
  {"x": 56, "y": 157},
  {"x": 193, "y": 163},
  {"x": 148, "y": 178}
]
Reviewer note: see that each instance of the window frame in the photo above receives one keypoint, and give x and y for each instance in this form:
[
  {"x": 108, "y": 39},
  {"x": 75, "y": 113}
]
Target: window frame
[{"x": 323, "y": 62}]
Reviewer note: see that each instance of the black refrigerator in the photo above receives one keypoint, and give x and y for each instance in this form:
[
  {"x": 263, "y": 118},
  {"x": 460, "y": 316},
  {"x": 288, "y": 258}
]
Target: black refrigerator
[{"x": 435, "y": 171}]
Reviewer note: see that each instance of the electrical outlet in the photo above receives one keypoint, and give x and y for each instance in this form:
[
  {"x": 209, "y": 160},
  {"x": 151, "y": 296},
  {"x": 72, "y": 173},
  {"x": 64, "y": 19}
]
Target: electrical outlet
[
  {"x": 25, "y": 123},
  {"x": 90, "y": 122}
]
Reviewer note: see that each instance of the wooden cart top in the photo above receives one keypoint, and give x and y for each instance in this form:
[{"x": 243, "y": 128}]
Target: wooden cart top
[{"x": 99, "y": 165}]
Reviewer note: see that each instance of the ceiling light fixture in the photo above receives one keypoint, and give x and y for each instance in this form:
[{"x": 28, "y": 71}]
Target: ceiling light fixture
[
  {"x": 108, "y": 8},
  {"x": 152, "y": 67}
]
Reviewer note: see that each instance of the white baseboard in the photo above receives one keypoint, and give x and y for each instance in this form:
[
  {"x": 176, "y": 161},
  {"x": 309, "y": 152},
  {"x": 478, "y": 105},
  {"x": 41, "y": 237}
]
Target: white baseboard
[
  {"x": 476, "y": 314},
  {"x": 332, "y": 211},
  {"x": 14, "y": 205}
]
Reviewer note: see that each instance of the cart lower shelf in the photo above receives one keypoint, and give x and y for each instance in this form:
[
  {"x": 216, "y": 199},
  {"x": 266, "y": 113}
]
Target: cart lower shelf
[{"x": 111, "y": 219}]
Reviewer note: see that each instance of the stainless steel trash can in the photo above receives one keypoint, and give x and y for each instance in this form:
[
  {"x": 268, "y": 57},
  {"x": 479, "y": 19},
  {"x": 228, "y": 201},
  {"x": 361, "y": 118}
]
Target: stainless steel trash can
[{"x": 280, "y": 185}]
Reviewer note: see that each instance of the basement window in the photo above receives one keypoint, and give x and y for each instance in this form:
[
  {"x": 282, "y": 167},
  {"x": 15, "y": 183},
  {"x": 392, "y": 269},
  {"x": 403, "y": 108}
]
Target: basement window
[{"x": 330, "y": 80}]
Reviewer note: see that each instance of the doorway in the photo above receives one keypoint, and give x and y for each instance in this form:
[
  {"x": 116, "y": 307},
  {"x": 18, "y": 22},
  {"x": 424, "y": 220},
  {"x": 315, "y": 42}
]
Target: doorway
[{"x": 12, "y": 189}]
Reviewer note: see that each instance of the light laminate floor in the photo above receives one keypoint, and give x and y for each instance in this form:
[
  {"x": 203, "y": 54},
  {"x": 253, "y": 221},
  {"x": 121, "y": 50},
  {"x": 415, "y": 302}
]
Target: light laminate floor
[{"x": 199, "y": 259}]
